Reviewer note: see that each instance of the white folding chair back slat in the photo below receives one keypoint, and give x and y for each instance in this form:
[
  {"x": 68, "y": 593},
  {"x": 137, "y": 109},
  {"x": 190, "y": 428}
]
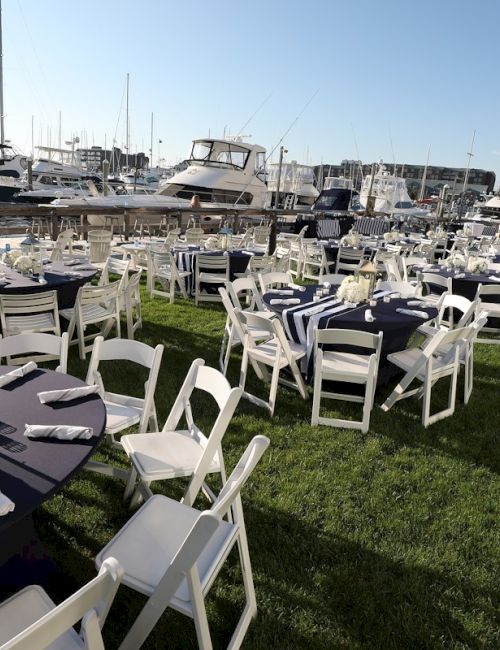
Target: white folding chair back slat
[
  {"x": 488, "y": 299},
  {"x": 163, "y": 270},
  {"x": 131, "y": 304},
  {"x": 349, "y": 260},
  {"x": 99, "y": 245},
  {"x": 427, "y": 281},
  {"x": 269, "y": 281},
  {"x": 169, "y": 557}
]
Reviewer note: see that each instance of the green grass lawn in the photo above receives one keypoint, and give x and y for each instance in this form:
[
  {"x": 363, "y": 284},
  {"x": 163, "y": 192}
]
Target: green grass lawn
[{"x": 380, "y": 540}]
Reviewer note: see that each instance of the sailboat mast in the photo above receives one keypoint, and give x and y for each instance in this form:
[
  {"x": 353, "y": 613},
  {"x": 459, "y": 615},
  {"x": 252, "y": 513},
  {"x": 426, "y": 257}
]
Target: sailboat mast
[
  {"x": 469, "y": 155},
  {"x": 151, "y": 145},
  {"x": 127, "y": 126},
  {"x": 2, "y": 132},
  {"x": 424, "y": 176}
]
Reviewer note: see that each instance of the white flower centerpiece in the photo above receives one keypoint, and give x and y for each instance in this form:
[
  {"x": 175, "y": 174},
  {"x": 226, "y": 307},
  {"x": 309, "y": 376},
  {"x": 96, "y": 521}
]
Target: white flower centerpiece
[
  {"x": 476, "y": 264},
  {"x": 393, "y": 235},
  {"x": 431, "y": 234},
  {"x": 455, "y": 261},
  {"x": 468, "y": 232},
  {"x": 24, "y": 264},
  {"x": 351, "y": 239},
  {"x": 351, "y": 291},
  {"x": 212, "y": 243}
]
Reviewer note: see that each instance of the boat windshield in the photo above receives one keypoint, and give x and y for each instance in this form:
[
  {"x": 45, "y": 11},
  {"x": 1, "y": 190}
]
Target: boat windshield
[{"x": 225, "y": 154}]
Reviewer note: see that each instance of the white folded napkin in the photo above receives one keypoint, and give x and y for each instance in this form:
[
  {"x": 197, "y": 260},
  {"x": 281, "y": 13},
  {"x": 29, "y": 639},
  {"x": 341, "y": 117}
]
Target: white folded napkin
[
  {"x": 297, "y": 287},
  {"x": 6, "y": 505},
  {"x": 60, "y": 431},
  {"x": 413, "y": 312},
  {"x": 369, "y": 317},
  {"x": 459, "y": 275},
  {"x": 494, "y": 278},
  {"x": 285, "y": 301},
  {"x": 18, "y": 372},
  {"x": 283, "y": 292},
  {"x": 67, "y": 394},
  {"x": 416, "y": 303}
]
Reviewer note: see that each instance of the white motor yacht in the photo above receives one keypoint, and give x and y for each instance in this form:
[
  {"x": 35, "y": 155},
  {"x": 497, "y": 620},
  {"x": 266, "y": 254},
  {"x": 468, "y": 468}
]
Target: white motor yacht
[
  {"x": 390, "y": 193},
  {"x": 224, "y": 173},
  {"x": 296, "y": 186}
]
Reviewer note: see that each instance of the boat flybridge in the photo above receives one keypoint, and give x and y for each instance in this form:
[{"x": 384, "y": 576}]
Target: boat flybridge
[
  {"x": 296, "y": 186},
  {"x": 224, "y": 173},
  {"x": 389, "y": 192}
]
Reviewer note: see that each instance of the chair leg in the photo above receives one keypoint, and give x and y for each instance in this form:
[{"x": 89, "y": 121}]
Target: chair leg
[
  {"x": 299, "y": 380},
  {"x": 316, "y": 395},
  {"x": 130, "y": 484},
  {"x": 274, "y": 388},
  {"x": 250, "y": 609}
]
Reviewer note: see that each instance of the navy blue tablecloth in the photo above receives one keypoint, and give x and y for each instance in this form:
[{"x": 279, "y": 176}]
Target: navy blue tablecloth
[
  {"x": 66, "y": 280},
  {"x": 32, "y": 470}
]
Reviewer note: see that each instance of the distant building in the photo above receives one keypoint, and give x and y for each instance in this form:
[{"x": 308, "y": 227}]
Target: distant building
[
  {"x": 479, "y": 181},
  {"x": 93, "y": 158}
]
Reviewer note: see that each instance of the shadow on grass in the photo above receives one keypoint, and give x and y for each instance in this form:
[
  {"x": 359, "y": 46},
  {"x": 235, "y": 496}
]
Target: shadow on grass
[{"x": 338, "y": 587}]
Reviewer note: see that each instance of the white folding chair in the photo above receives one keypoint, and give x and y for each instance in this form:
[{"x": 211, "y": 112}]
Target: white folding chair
[
  {"x": 114, "y": 266},
  {"x": 163, "y": 270},
  {"x": 124, "y": 411},
  {"x": 131, "y": 304},
  {"x": 261, "y": 235},
  {"x": 349, "y": 260},
  {"x": 233, "y": 333},
  {"x": 429, "y": 281},
  {"x": 258, "y": 264},
  {"x": 30, "y": 620},
  {"x": 173, "y": 453},
  {"x": 314, "y": 260},
  {"x": 276, "y": 352},
  {"x": 391, "y": 267},
  {"x": 269, "y": 281},
  {"x": 97, "y": 305},
  {"x": 428, "y": 365},
  {"x": 48, "y": 346},
  {"x": 409, "y": 274},
  {"x": 295, "y": 259},
  {"x": 212, "y": 270},
  {"x": 247, "y": 288},
  {"x": 29, "y": 312},
  {"x": 406, "y": 289},
  {"x": 448, "y": 304},
  {"x": 64, "y": 239},
  {"x": 488, "y": 299},
  {"x": 173, "y": 561},
  {"x": 348, "y": 367}
]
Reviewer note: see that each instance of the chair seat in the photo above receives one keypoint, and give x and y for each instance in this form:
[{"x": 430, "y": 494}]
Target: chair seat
[
  {"x": 493, "y": 308},
  {"x": 266, "y": 352},
  {"x": 24, "y": 608},
  {"x": 89, "y": 312},
  {"x": 213, "y": 277},
  {"x": 345, "y": 364},
  {"x": 406, "y": 359},
  {"x": 30, "y": 322},
  {"x": 145, "y": 552},
  {"x": 121, "y": 416},
  {"x": 428, "y": 330},
  {"x": 165, "y": 455}
]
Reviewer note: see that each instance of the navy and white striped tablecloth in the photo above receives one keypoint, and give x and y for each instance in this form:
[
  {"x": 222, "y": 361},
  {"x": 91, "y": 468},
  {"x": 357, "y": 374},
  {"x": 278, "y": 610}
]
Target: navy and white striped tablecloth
[
  {"x": 328, "y": 228},
  {"x": 372, "y": 225},
  {"x": 490, "y": 231}
]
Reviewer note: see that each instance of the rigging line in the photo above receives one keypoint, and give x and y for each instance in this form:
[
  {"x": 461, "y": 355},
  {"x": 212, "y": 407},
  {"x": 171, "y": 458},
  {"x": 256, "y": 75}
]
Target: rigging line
[
  {"x": 253, "y": 115},
  {"x": 392, "y": 149},
  {"x": 292, "y": 125},
  {"x": 360, "y": 164},
  {"x": 277, "y": 145},
  {"x": 35, "y": 52},
  {"x": 119, "y": 113}
]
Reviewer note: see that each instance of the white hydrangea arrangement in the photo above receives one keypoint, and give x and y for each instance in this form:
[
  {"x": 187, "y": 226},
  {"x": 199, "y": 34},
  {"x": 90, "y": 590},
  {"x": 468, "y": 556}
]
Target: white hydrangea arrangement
[
  {"x": 460, "y": 233},
  {"x": 23, "y": 264},
  {"x": 455, "y": 261},
  {"x": 477, "y": 265},
  {"x": 212, "y": 243},
  {"x": 431, "y": 234},
  {"x": 393, "y": 235},
  {"x": 468, "y": 231},
  {"x": 351, "y": 290},
  {"x": 8, "y": 259},
  {"x": 351, "y": 239}
]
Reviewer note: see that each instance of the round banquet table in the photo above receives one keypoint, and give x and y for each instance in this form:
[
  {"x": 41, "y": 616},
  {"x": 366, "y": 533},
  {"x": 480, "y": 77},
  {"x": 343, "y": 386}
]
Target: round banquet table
[
  {"x": 32, "y": 470},
  {"x": 397, "y": 328},
  {"x": 465, "y": 286},
  {"x": 65, "y": 279}
]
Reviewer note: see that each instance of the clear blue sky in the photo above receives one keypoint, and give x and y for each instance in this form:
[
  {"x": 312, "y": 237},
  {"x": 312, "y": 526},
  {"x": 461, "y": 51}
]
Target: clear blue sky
[{"x": 417, "y": 73}]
